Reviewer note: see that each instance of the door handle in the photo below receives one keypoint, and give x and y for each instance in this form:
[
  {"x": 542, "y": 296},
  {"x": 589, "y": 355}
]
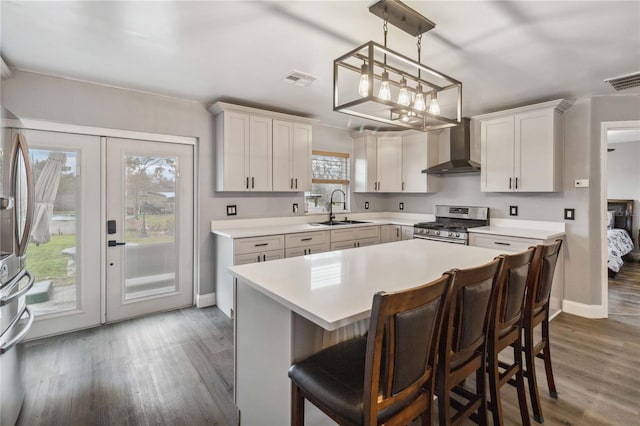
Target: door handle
[
  {"x": 296, "y": 183},
  {"x": 13, "y": 285},
  {"x": 18, "y": 337},
  {"x": 253, "y": 181},
  {"x": 516, "y": 183},
  {"x": 247, "y": 182},
  {"x": 291, "y": 183},
  {"x": 510, "y": 182},
  {"x": 113, "y": 243}
]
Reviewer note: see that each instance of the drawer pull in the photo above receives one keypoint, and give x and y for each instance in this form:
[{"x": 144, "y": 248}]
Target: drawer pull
[
  {"x": 261, "y": 245},
  {"x": 501, "y": 244},
  {"x": 307, "y": 239}
]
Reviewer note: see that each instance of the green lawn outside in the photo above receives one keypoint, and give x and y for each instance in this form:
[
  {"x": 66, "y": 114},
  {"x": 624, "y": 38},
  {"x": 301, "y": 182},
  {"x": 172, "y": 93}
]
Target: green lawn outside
[{"x": 47, "y": 262}]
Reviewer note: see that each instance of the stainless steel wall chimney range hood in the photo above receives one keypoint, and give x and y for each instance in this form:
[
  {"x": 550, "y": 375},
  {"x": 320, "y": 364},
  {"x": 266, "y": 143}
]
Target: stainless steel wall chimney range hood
[{"x": 460, "y": 146}]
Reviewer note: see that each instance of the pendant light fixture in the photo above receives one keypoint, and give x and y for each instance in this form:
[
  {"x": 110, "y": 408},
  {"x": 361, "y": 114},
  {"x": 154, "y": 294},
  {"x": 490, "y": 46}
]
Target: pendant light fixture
[{"x": 377, "y": 83}]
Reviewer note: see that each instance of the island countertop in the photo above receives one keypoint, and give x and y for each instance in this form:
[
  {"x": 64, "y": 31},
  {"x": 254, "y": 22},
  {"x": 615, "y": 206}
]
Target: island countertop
[{"x": 334, "y": 289}]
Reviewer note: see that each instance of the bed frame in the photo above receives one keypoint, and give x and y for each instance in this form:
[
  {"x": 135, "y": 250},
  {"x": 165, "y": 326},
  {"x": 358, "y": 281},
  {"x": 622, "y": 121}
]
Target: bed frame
[
  {"x": 624, "y": 214},
  {"x": 623, "y": 220}
]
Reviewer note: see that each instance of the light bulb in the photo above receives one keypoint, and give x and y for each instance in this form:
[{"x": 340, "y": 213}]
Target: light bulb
[
  {"x": 385, "y": 90},
  {"x": 434, "y": 107},
  {"x": 419, "y": 102},
  {"x": 363, "y": 88},
  {"x": 403, "y": 97}
]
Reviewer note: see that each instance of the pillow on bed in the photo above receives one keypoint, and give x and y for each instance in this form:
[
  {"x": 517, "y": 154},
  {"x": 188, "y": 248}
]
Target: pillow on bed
[{"x": 611, "y": 219}]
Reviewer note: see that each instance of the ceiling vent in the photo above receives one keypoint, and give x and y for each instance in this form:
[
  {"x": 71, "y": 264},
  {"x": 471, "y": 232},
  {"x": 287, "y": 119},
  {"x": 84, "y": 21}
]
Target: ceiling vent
[
  {"x": 625, "y": 81},
  {"x": 299, "y": 79}
]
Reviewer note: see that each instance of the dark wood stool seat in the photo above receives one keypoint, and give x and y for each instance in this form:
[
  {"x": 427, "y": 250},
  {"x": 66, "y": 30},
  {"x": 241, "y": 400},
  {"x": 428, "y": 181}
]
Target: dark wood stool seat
[
  {"x": 463, "y": 345},
  {"x": 385, "y": 377},
  {"x": 505, "y": 331},
  {"x": 536, "y": 312}
]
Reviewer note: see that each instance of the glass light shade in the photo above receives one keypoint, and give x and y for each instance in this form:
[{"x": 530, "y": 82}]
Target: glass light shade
[
  {"x": 419, "y": 103},
  {"x": 385, "y": 90},
  {"x": 434, "y": 107},
  {"x": 403, "y": 96},
  {"x": 363, "y": 87}
]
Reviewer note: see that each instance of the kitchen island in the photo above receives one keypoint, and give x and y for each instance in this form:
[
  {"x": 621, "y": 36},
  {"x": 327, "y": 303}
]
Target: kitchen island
[{"x": 284, "y": 309}]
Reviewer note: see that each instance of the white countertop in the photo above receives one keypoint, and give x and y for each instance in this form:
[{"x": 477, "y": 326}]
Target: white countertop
[
  {"x": 336, "y": 288},
  {"x": 275, "y": 229},
  {"x": 512, "y": 231}
]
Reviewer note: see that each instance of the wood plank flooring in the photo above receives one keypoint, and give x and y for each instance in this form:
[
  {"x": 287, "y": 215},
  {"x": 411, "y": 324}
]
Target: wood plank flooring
[
  {"x": 624, "y": 294},
  {"x": 176, "y": 369},
  {"x": 173, "y": 368}
]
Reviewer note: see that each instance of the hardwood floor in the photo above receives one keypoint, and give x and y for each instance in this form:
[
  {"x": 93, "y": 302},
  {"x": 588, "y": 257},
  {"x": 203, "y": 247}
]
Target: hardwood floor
[
  {"x": 176, "y": 369},
  {"x": 624, "y": 294}
]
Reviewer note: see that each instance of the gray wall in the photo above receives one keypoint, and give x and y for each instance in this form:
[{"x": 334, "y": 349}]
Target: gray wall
[{"x": 67, "y": 101}]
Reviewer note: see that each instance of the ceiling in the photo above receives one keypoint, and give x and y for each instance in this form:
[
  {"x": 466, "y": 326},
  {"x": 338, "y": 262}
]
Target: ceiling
[{"x": 506, "y": 54}]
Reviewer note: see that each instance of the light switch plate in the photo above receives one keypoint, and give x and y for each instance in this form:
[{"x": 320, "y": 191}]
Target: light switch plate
[
  {"x": 513, "y": 210},
  {"x": 366, "y": 205},
  {"x": 232, "y": 210},
  {"x": 295, "y": 207},
  {"x": 582, "y": 183},
  {"x": 401, "y": 206}
]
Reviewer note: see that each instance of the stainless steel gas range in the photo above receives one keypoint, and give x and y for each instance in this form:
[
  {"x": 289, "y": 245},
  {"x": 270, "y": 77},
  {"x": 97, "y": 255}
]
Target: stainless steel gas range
[{"x": 451, "y": 224}]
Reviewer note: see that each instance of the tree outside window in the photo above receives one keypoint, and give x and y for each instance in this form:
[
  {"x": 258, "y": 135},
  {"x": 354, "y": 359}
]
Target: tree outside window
[{"x": 330, "y": 171}]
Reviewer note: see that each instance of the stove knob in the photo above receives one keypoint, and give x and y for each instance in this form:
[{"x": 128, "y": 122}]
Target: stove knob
[
  {"x": 437, "y": 232},
  {"x": 457, "y": 234},
  {"x": 451, "y": 234}
]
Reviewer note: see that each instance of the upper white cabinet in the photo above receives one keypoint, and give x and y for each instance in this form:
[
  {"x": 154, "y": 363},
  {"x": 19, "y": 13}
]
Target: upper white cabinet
[
  {"x": 419, "y": 152},
  {"x": 394, "y": 163},
  {"x": 291, "y": 156},
  {"x": 259, "y": 150},
  {"x": 521, "y": 149}
]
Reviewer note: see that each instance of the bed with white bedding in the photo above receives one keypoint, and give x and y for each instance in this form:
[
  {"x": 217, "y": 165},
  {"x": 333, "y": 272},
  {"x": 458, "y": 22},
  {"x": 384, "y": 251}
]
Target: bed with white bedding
[{"x": 619, "y": 231}]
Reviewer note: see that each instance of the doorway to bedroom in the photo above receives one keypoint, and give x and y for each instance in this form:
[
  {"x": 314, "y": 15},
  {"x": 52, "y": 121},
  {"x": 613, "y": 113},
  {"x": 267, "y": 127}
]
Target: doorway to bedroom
[{"x": 623, "y": 223}]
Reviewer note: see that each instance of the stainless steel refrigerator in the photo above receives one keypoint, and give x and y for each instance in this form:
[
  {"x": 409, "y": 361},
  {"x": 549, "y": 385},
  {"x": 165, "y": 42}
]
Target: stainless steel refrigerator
[{"x": 16, "y": 212}]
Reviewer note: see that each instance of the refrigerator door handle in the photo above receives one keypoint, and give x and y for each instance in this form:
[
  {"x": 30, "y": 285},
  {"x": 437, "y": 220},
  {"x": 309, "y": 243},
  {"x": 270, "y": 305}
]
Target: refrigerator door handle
[
  {"x": 13, "y": 285},
  {"x": 20, "y": 146},
  {"x": 11, "y": 343}
]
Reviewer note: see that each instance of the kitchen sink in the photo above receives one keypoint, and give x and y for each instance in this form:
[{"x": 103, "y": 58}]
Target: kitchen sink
[{"x": 341, "y": 222}]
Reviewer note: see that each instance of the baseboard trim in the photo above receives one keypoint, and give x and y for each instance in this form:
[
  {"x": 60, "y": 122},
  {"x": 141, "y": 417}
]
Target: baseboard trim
[
  {"x": 205, "y": 300},
  {"x": 582, "y": 309}
]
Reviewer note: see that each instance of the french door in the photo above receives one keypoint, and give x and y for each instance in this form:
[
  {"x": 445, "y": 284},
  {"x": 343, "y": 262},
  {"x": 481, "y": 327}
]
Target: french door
[{"x": 150, "y": 219}]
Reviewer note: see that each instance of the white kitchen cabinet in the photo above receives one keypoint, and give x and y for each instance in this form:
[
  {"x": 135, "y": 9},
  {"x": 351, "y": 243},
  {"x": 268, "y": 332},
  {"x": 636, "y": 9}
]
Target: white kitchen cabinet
[
  {"x": 521, "y": 149},
  {"x": 304, "y": 243},
  {"x": 407, "y": 232},
  {"x": 390, "y": 233},
  {"x": 511, "y": 244},
  {"x": 248, "y": 158},
  {"x": 262, "y": 256},
  {"x": 243, "y": 152},
  {"x": 354, "y": 237},
  {"x": 377, "y": 163},
  {"x": 291, "y": 156},
  {"x": 419, "y": 152}
]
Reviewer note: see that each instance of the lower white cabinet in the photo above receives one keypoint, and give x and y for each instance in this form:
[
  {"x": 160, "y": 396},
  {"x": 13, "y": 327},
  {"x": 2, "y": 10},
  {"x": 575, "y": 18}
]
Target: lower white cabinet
[
  {"x": 304, "y": 243},
  {"x": 262, "y": 256},
  {"x": 354, "y": 237},
  {"x": 512, "y": 244},
  {"x": 390, "y": 233},
  {"x": 407, "y": 232}
]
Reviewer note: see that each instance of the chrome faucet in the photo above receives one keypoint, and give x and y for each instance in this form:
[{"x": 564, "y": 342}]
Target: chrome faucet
[{"x": 344, "y": 203}]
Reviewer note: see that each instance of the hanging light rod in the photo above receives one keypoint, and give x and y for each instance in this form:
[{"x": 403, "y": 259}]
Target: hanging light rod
[{"x": 402, "y": 16}]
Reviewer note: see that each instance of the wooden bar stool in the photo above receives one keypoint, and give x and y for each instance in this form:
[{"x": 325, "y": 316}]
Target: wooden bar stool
[
  {"x": 536, "y": 312},
  {"x": 463, "y": 344},
  {"x": 386, "y": 377},
  {"x": 505, "y": 331}
]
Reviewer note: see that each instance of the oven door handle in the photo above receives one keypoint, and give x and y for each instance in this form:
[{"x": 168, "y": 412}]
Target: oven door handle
[{"x": 13, "y": 285}]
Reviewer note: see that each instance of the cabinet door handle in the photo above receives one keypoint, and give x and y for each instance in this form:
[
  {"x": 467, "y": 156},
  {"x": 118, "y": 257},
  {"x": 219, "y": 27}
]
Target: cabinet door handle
[
  {"x": 516, "y": 183},
  {"x": 261, "y": 245},
  {"x": 291, "y": 183},
  {"x": 264, "y": 257},
  {"x": 253, "y": 182},
  {"x": 510, "y": 183},
  {"x": 309, "y": 251},
  {"x": 379, "y": 185},
  {"x": 296, "y": 183},
  {"x": 247, "y": 182},
  {"x": 307, "y": 239},
  {"x": 403, "y": 186},
  {"x": 501, "y": 243},
  {"x": 258, "y": 258}
]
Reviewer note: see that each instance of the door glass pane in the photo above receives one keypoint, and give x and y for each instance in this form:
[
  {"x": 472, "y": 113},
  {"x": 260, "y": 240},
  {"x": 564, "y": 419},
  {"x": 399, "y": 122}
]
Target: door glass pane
[
  {"x": 51, "y": 255},
  {"x": 150, "y": 257}
]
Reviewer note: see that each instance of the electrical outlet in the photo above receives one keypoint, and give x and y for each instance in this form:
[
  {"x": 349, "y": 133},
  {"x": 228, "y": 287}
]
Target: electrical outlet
[
  {"x": 232, "y": 210},
  {"x": 401, "y": 206},
  {"x": 570, "y": 214},
  {"x": 295, "y": 207},
  {"x": 581, "y": 183},
  {"x": 366, "y": 205},
  {"x": 513, "y": 210}
]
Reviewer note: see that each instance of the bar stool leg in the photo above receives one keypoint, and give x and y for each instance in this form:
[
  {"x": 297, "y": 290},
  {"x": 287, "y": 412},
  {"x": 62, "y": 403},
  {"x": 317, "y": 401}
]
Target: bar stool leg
[
  {"x": 297, "y": 406},
  {"x": 522, "y": 394},
  {"x": 530, "y": 359},
  {"x": 547, "y": 359},
  {"x": 494, "y": 389}
]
